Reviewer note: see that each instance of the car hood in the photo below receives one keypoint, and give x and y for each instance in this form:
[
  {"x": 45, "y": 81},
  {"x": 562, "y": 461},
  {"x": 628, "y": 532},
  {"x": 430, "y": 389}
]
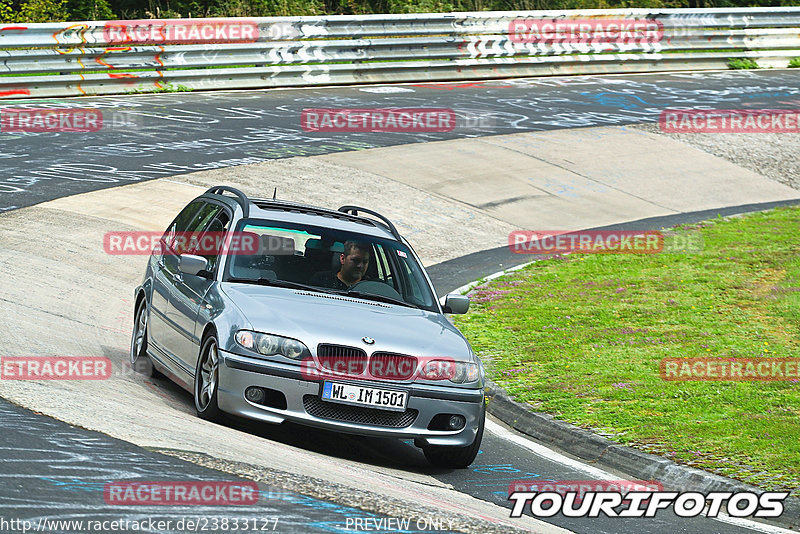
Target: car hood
[{"x": 315, "y": 318}]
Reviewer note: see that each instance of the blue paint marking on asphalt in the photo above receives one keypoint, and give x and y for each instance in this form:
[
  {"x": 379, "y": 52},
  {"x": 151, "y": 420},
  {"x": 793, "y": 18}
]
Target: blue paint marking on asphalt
[
  {"x": 768, "y": 94},
  {"x": 617, "y": 99},
  {"x": 75, "y": 484},
  {"x": 503, "y": 468}
]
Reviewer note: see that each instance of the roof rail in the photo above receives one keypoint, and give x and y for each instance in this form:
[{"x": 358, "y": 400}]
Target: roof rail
[
  {"x": 241, "y": 198},
  {"x": 355, "y": 209}
]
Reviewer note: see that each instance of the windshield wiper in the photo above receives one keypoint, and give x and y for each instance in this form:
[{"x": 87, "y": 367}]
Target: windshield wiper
[
  {"x": 278, "y": 283},
  {"x": 381, "y": 298}
]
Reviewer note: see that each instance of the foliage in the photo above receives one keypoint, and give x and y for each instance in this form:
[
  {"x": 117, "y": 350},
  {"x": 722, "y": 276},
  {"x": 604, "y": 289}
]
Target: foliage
[
  {"x": 34, "y": 11},
  {"x": 75, "y": 10},
  {"x": 794, "y": 63},
  {"x": 6, "y": 11},
  {"x": 168, "y": 88},
  {"x": 89, "y": 10},
  {"x": 742, "y": 63}
]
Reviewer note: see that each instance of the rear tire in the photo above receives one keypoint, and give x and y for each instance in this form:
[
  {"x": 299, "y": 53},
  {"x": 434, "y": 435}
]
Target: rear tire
[
  {"x": 206, "y": 381},
  {"x": 140, "y": 361},
  {"x": 456, "y": 457}
]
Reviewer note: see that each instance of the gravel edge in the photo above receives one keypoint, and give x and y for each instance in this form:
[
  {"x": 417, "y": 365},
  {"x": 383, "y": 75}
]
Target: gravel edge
[{"x": 772, "y": 155}]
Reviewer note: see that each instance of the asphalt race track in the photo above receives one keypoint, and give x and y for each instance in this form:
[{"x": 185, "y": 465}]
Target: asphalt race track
[
  {"x": 153, "y": 136},
  {"x": 54, "y": 470}
]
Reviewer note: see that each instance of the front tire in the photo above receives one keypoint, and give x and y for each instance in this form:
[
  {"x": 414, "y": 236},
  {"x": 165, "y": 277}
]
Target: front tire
[
  {"x": 456, "y": 457},
  {"x": 206, "y": 381}
]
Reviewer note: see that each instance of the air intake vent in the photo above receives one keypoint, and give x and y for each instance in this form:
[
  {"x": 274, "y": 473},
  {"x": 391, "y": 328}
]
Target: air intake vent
[
  {"x": 335, "y": 297},
  {"x": 355, "y": 414}
]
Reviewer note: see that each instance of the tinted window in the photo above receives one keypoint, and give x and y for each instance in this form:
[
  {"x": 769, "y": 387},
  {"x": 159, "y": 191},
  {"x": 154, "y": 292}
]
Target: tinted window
[
  {"x": 214, "y": 230},
  {"x": 331, "y": 260},
  {"x": 181, "y": 223},
  {"x": 204, "y": 217}
]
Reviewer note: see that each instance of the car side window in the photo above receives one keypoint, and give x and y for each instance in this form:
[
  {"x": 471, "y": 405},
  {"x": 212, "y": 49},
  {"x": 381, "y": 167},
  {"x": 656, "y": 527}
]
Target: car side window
[
  {"x": 181, "y": 224},
  {"x": 416, "y": 292},
  {"x": 383, "y": 267},
  {"x": 204, "y": 217},
  {"x": 214, "y": 233}
]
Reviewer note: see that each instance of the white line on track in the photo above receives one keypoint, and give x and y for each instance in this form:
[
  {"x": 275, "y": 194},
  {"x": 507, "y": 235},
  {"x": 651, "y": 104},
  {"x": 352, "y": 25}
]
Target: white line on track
[
  {"x": 550, "y": 454},
  {"x": 183, "y": 183}
]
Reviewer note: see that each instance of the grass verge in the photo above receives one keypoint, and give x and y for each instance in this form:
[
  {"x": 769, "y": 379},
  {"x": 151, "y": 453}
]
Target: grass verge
[
  {"x": 742, "y": 63},
  {"x": 582, "y": 336}
]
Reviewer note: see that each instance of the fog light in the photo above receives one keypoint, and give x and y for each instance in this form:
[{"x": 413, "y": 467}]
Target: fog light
[
  {"x": 254, "y": 394},
  {"x": 456, "y": 422}
]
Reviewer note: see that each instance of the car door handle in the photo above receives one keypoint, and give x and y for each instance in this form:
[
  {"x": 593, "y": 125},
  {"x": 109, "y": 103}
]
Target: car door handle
[{"x": 177, "y": 277}]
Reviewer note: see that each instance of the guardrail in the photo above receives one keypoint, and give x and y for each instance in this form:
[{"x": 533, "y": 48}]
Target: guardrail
[{"x": 82, "y": 58}]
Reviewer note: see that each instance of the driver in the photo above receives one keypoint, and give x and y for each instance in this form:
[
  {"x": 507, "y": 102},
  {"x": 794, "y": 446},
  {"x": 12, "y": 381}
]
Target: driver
[{"x": 354, "y": 262}]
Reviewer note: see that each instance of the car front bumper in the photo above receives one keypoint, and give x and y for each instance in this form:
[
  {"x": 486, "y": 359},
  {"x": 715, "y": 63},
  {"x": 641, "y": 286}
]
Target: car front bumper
[{"x": 237, "y": 373}]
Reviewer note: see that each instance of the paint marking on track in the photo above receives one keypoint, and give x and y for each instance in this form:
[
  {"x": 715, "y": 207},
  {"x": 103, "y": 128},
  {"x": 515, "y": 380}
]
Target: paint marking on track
[{"x": 544, "y": 452}]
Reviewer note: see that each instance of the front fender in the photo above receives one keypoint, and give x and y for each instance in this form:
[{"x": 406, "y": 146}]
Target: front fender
[{"x": 218, "y": 312}]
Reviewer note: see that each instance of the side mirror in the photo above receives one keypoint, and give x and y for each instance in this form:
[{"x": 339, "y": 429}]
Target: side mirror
[
  {"x": 455, "y": 303},
  {"x": 194, "y": 265}
]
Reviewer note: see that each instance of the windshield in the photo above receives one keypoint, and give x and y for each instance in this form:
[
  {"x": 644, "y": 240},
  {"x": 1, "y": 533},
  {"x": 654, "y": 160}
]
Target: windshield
[{"x": 295, "y": 255}]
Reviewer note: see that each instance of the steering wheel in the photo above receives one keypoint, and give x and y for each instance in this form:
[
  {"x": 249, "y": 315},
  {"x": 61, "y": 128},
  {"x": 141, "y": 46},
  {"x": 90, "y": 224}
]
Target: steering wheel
[{"x": 376, "y": 288}]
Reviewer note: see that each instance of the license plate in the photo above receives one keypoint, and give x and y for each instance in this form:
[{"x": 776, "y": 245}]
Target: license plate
[{"x": 385, "y": 399}]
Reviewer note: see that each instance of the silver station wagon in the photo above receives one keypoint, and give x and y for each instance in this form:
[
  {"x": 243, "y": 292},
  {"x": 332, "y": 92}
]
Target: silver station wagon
[{"x": 278, "y": 311}]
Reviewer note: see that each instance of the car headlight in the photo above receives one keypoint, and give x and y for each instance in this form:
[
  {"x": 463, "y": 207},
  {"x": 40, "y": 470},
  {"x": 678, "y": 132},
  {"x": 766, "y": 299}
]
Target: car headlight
[
  {"x": 465, "y": 372},
  {"x": 448, "y": 369},
  {"x": 272, "y": 345}
]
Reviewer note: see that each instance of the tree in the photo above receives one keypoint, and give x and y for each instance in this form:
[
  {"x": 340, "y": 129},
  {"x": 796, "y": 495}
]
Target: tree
[
  {"x": 34, "y": 11},
  {"x": 89, "y": 10}
]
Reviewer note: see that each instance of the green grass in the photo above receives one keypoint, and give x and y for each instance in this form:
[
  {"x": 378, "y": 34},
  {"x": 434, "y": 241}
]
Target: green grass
[
  {"x": 742, "y": 64},
  {"x": 794, "y": 63},
  {"x": 169, "y": 88},
  {"x": 581, "y": 337}
]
